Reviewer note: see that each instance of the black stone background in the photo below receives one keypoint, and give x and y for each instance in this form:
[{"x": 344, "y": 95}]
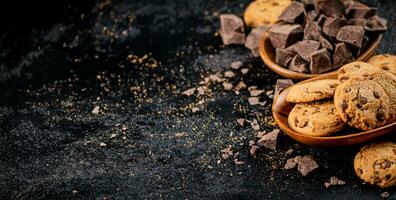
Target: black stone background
[{"x": 51, "y": 53}]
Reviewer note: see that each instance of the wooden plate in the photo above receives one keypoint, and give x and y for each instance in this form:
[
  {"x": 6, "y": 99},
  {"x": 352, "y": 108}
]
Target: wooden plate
[
  {"x": 281, "y": 109},
  {"x": 267, "y": 54}
]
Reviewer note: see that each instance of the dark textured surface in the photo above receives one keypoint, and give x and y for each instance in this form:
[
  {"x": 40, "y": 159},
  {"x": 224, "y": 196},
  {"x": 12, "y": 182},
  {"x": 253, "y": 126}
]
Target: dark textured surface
[{"x": 56, "y": 67}]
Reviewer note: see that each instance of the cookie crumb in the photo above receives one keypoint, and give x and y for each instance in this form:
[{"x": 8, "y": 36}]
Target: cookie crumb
[
  {"x": 95, "y": 110},
  {"x": 385, "y": 194},
  {"x": 334, "y": 181},
  {"x": 253, "y": 101},
  {"x": 189, "y": 92},
  {"x": 227, "y": 86},
  {"x": 241, "y": 121},
  {"x": 236, "y": 64}
]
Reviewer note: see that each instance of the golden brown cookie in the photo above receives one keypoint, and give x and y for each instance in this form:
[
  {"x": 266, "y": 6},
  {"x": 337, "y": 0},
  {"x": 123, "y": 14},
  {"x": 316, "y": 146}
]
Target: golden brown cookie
[
  {"x": 312, "y": 91},
  {"x": 376, "y": 164},
  {"x": 362, "y": 104},
  {"x": 383, "y": 78},
  {"x": 261, "y": 12},
  {"x": 315, "y": 119},
  {"x": 386, "y": 62}
]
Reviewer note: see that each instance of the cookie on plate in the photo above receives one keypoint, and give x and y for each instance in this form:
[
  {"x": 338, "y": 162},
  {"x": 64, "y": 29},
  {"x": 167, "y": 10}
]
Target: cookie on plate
[
  {"x": 362, "y": 104},
  {"x": 368, "y": 72},
  {"x": 261, "y": 12},
  {"x": 312, "y": 91},
  {"x": 376, "y": 164},
  {"x": 386, "y": 62},
  {"x": 315, "y": 119}
]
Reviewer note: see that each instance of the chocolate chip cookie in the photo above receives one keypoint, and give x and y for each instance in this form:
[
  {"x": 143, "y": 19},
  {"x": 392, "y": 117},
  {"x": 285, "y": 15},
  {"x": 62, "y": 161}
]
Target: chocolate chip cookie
[
  {"x": 315, "y": 119},
  {"x": 312, "y": 91},
  {"x": 368, "y": 72},
  {"x": 261, "y": 12},
  {"x": 376, "y": 164},
  {"x": 362, "y": 104},
  {"x": 386, "y": 62}
]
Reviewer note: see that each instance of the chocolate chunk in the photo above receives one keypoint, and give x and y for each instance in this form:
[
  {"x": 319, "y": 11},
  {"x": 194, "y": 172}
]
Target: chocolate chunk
[
  {"x": 306, "y": 47},
  {"x": 353, "y": 35},
  {"x": 321, "y": 19},
  {"x": 356, "y": 9},
  {"x": 293, "y": 13},
  {"x": 358, "y": 22},
  {"x": 332, "y": 26},
  {"x": 312, "y": 30},
  {"x": 252, "y": 40},
  {"x": 342, "y": 55},
  {"x": 232, "y": 29},
  {"x": 282, "y": 35},
  {"x": 330, "y": 7},
  {"x": 376, "y": 24},
  {"x": 306, "y": 165},
  {"x": 320, "y": 62},
  {"x": 326, "y": 44},
  {"x": 283, "y": 57},
  {"x": 282, "y": 84},
  {"x": 298, "y": 64}
]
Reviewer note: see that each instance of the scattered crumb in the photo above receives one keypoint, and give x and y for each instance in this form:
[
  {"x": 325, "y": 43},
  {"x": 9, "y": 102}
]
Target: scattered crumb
[
  {"x": 238, "y": 162},
  {"x": 241, "y": 121},
  {"x": 244, "y": 71},
  {"x": 290, "y": 163},
  {"x": 253, "y": 101},
  {"x": 112, "y": 136},
  {"x": 385, "y": 194},
  {"x": 334, "y": 181},
  {"x": 102, "y": 144},
  {"x": 227, "y": 86},
  {"x": 229, "y": 74},
  {"x": 260, "y": 134},
  {"x": 255, "y": 93},
  {"x": 253, "y": 150},
  {"x": 290, "y": 151},
  {"x": 194, "y": 109},
  {"x": 241, "y": 85},
  {"x": 95, "y": 110},
  {"x": 189, "y": 92},
  {"x": 255, "y": 125},
  {"x": 236, "y": 64},
  {"x": 180, "y": 134},
  {"x": 202, "y": 90}
]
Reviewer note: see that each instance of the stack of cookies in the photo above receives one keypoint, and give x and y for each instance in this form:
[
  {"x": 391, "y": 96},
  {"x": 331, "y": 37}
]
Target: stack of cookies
[{"x": 363, "y": 97}]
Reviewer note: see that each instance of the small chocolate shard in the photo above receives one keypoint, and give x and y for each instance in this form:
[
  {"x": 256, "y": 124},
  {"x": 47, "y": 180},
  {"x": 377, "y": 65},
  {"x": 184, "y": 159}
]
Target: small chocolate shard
[
  {"x": 353, "y": 35},
  {"x": 376, "y": 24},
  {"x": 326, "y": 44},
  {"x": 320, "y": 62},
  {"x": 232, "y": 29},
  {"x": 305, "y": 48},
  {"x": 306, "y": 165},
  {"x": 252, "y": 40},
  {"x": 282, "y": 84},
  {"x": 330, "y": 7},
  {"x": 334, "y": 181},
  {"x": 298, "y": 64},
  {"x": 283, "y": 35},
  {"x": 342, "y": 55},
  {"x": 356, "y": 9},
  {"x": 283, "y": 57},
  {"x": 293, "y": 13},
  {"x": 332, "y": 26},
  {"x": 312, "y": 30}
]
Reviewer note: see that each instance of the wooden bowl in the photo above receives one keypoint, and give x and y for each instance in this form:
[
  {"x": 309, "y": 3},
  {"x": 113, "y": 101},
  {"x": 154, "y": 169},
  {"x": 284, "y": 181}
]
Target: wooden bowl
[
  {"x": 267, "y": 53},
  {"x": 281, "y": 109}
]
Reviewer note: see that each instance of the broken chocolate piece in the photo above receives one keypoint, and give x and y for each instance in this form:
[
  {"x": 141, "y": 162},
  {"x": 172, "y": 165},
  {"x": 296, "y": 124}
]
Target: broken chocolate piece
[
  {"x": 282, "y": 84},
  {"x": 330, "y": 7},
  {"x": 332, "y": 26},
  {"x": 293, "y": 13},
  {"x": 376, "y": 24},
  {"x": 353, "y": 35},
  {"x": 232, "y": 29},
  {"x": 305, "y": 48},
  {"x": 298, "y": 64},
  {"x": 282, "y": 35},
  {"x": 306, "y": 165},
  {"x": 326, "y": 44},
  {"x": 252, "y": 40},
  {"x": 342, "y": 55},
  {"x": 312, "y": 30},
  {"x": 283, "y": 57},
  {"x": 269, "y": 140},
  {"x": 356, "y": 9},
  {"x": 320, "y": 62},
  {"x": 334, "y": 181}
]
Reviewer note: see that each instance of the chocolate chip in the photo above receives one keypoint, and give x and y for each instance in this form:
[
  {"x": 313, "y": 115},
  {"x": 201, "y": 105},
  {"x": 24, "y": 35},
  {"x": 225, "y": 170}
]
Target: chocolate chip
[
  {"x": 344, "y": 78},
  {"x": 346, "y": 90},
  {"x": 359, "y": 171},
  {"x": 353, "y": 35},
  {"x": 388, "y": 176},
  {"x": 381, "y": 115},
  {"x": 283, "y": 35},
  {"x": 332, "y": 26},
  {"x": 394, "y": 151},
  {"x": 376, "y": 94},
  {"x": 362, "y": 100},
  {"x": 293, "y": 13},
  {"x": 342, "y": 55},
  {"x": 301, "y": 124},
  {"x": 344, "y": 105}
]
